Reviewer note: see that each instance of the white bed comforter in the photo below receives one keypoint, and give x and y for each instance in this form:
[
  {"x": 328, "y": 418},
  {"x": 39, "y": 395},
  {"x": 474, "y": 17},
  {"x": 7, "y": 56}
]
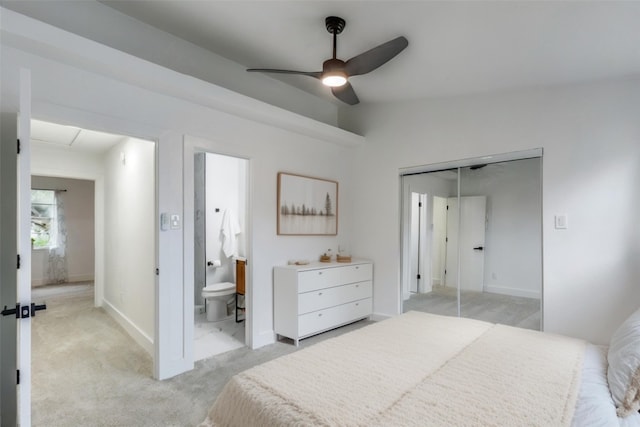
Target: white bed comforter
[{"x": 416, "y": 369}]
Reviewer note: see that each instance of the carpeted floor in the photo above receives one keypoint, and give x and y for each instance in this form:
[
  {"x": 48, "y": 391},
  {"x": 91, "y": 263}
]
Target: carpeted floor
[
  {"x": 494, "y": 308},
  {"x": 87, "y": 371}
]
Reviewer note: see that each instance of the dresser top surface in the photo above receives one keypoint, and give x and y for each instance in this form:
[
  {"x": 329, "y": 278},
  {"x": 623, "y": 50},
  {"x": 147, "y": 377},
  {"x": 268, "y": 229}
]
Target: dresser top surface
[{"x": 317, "y": 265}]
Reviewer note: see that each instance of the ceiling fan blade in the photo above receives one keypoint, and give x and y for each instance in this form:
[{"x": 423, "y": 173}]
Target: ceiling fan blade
[
  {"x": 346, "y": 94},
  {"x": 372, "y": 59},
  {"x": 315, "y": 74}
]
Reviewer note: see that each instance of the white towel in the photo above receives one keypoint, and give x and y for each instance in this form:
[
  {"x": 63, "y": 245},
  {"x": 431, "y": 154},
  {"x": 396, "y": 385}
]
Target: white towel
[{"x": 228, "y": 232}]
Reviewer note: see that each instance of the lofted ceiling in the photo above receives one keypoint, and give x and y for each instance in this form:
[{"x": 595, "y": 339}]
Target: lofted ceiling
[{"x": 455, "y": 47}]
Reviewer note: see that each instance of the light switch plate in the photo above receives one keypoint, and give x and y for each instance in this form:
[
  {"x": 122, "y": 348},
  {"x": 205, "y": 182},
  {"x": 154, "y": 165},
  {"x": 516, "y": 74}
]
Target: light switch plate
[
  {"x": 561, "y": 222},
  {"x": 175, "y": 221}
]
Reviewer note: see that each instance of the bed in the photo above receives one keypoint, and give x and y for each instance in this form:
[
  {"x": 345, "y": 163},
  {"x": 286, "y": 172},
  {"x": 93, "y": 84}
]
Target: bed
[{"x": 421, "y": 369}]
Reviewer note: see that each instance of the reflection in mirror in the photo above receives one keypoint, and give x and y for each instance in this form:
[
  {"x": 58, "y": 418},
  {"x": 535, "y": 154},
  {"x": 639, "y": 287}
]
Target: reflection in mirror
[{"x": 480, "y": 254}]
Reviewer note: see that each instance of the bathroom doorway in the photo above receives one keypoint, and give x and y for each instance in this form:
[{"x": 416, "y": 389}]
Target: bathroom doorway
[{"x": 220, "y": 248}]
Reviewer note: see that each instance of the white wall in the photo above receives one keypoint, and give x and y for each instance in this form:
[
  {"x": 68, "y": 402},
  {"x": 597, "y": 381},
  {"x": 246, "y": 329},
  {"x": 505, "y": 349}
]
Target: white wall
[
  {"x": 130, "y": 236},
  {"x": 270, "y": 151},
  {"x": 513, "y": 237},
  {"x": 226, "y": 190},
  {"x": 591, "y": 170},
  {"x": 79, "y": 216},
  {"x": 79, "y": 82}
]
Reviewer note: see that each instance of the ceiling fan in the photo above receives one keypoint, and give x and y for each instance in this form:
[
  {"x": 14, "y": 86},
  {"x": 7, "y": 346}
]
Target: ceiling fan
[{"x": 336, "y": 72}]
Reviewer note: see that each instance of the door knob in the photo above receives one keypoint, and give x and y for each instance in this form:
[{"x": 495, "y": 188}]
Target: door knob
[{"x": 478, "y": 248}]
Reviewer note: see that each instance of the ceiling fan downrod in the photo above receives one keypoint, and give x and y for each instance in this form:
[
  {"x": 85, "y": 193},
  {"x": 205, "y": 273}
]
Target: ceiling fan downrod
[{"x": 335, "y": 25}]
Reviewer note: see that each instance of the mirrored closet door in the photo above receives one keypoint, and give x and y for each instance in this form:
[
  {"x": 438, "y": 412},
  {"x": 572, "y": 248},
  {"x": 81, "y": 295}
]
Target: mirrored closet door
[{"x": 472, "y": 242}]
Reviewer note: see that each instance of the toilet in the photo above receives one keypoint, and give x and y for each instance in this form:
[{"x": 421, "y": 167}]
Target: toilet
[{"x": 217, "y": 296}]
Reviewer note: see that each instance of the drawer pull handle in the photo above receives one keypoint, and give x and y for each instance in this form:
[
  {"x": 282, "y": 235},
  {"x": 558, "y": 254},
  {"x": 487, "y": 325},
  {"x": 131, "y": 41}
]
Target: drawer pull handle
[
  {"x": 357, "y": 268},
  {"x": 357, "y": 286},
  {"x": 319, "y": 314},
  {"x": 320, "y": 272},
  {"x": 319, "y": 293},
  {"x": 357, "y": 304}
]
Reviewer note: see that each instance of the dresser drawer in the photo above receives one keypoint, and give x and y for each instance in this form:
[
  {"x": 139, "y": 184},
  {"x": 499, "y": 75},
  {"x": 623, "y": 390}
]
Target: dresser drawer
[
  {"x": 355, "y": 273},
  {"x": 318, "y": 279},
  {"x": 318, "y": 321},
  {"x": 328, "y": 297}
]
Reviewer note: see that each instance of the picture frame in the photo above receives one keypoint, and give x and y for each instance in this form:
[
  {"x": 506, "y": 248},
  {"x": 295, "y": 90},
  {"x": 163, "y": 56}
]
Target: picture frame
[{"x": 307, "y": 206}]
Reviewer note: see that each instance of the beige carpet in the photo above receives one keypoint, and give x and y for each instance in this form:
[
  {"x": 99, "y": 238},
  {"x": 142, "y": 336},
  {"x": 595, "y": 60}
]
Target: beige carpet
[{"x": 87, "y": 371}]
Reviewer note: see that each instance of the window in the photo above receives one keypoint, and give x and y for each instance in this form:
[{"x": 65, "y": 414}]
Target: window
[{"x": 43, "y": 218}]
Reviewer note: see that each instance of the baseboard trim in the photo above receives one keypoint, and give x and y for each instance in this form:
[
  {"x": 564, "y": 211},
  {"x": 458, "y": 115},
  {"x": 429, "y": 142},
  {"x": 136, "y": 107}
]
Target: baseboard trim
[
  {"x": 71, "y": 279},
  {"x": 514, "y": 292},
  {"x": 81, "y": 278},
  {"x": 136, "y": 333}
]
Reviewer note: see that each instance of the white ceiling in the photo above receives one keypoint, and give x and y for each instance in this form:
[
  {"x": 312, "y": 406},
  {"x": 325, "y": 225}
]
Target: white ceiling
[
  {"x": 71, "y": 137},
  {"x": 455, "y": 47}
]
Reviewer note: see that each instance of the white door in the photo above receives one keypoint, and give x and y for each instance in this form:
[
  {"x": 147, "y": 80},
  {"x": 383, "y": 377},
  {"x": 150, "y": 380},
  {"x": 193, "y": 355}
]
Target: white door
[
  {"x": 465, "y": 233},
  {"x": 451, "y": 264},
  {"x": 438, "y": 240},
  {"x": 419, "y": 249},
  {"x": 16, "y": 261},
  {"x": 472, "y": 230}
]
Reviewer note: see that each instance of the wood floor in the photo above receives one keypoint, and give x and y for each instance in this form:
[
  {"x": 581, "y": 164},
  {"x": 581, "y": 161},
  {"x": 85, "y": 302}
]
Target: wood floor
[{"x": 495, "y": 308}]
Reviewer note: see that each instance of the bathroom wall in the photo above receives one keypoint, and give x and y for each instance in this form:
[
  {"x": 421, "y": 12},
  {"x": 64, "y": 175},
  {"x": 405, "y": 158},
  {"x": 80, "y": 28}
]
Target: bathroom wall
[
  {"x": 199, "y": 225},
  {"x": 225, "y": 191}
]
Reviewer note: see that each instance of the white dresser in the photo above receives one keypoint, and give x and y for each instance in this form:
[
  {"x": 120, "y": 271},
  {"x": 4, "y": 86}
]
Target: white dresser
[{"x": 313, "y": 298}]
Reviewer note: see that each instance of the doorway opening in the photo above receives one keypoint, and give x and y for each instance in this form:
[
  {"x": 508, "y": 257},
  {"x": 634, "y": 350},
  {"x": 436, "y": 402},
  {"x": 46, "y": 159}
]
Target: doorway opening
[
  {"x": 97, "y": 274},
  {"x": 472, "y": 240},
  {"x": 220, "y": 248}
]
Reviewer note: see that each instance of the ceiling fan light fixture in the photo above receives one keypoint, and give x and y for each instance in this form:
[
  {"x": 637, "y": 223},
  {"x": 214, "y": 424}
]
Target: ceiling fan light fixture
[
  {"x": 333, "y": 74},
  {"x": 335, "y": 79}
]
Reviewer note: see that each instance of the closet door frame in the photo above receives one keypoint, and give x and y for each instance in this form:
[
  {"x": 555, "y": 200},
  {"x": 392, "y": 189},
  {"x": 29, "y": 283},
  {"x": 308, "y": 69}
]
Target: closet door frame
[{"x": 405, "y": 198}]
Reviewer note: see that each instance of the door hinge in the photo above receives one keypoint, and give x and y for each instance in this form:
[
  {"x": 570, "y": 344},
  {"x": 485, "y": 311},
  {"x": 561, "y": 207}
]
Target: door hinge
[
  {"x": 418, "y": 277},
  {"x": 157, "y": 271},
  {"x": 446, "y": 239},
  {"x": 18, "y": 146},
  {"x": 445, "y": 271},
  {"x": 419, "y": 204},
  {"x": 18, "y": 263},
  {"x": 18, "y": 376},
  {"x": 447, "y": 207}
]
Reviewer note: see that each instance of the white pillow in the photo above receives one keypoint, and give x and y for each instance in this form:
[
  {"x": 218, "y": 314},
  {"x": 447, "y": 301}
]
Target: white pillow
[{"x": 623, "y": 372}]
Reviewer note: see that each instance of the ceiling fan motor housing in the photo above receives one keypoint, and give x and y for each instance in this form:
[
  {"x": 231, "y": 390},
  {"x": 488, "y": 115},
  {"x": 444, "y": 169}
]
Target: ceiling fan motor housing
[
  {"x": 334, "y": 24},
  {"x": 333, "y": 65},
  {"x": 333, "y": 73}
]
